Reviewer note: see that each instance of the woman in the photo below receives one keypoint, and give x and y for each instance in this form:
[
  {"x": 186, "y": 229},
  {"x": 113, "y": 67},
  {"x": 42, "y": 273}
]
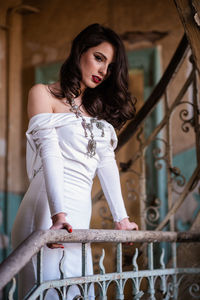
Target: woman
[{"x": 71, "y": 139}]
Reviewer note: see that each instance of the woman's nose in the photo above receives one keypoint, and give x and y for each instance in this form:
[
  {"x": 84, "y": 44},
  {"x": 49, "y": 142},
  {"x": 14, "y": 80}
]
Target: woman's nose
[{"x": 103, "y": 70}]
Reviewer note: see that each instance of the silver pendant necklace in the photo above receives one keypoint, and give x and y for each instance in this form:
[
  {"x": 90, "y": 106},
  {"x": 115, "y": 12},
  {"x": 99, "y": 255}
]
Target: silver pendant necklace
[{"x": 91, "y": 147}]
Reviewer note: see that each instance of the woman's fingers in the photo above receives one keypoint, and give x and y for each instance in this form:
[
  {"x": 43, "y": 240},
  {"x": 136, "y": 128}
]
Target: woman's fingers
[
  {"x": 134, "y": 226},
  {"x": 55, "y": 246},
  {"x": 125, "y": 224},
  {"x": 68, "y": 227},
  {"x": 59, "y": 225}
]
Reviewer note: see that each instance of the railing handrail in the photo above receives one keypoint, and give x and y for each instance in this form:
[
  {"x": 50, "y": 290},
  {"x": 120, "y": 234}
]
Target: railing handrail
[
  {"x": 156, "y": 94},
  {"x": 32, "y": 245}
]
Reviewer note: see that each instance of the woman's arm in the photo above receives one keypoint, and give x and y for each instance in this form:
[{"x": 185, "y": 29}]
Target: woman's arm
[
  {"x": 108, "y": 174},
  {"x": 47, "y": 142}
]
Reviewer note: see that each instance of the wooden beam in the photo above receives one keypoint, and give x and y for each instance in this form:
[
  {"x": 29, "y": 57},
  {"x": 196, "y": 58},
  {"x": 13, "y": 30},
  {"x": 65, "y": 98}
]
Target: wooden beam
[{"x": 187, "y": 10}]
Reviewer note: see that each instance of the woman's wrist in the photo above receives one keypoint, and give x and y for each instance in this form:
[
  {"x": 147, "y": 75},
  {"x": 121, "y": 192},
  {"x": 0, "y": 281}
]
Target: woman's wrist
[
  {"x": 123, "y": 222},
  {"x": 59, "y": 217}
]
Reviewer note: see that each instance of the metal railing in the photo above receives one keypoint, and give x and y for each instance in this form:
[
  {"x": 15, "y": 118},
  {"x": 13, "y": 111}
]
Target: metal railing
[{"x": 170, "y": 278}]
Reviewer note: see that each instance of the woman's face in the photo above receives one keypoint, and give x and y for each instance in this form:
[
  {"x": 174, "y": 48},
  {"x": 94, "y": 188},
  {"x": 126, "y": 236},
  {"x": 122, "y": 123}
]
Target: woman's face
[{"x": 95, "y": 64}]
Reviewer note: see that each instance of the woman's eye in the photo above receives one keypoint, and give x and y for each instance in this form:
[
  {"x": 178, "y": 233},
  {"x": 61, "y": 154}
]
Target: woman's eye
[{"x": 98, "y": 58}]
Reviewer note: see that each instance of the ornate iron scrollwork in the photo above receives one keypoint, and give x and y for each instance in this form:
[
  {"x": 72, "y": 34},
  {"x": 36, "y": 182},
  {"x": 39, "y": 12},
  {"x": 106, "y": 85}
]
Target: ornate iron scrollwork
[
  {"x": 194, "y": 290},
  {"x": 158, "y": 153},
  {"x": 177, "y": 177},
  {"x": 152, "y": 213},
  {"x": 184, "y": 115}
]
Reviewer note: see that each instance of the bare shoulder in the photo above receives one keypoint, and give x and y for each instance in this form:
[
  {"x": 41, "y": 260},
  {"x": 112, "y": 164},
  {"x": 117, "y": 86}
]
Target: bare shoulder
[{"x": 39, "y": 100}]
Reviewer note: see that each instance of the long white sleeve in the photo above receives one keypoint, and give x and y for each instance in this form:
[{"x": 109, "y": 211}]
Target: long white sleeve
[
  {"x": 108, "y": 174},
  {"x": 47, "y": 144}
]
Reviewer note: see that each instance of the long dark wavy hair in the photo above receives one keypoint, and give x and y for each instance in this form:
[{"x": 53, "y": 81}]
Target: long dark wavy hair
[{"x": 110, "y": 100}]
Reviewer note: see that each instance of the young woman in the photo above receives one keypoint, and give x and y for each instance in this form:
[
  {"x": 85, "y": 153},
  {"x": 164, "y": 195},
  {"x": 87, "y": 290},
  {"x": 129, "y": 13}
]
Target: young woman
[{"x": 71, "y": 138}]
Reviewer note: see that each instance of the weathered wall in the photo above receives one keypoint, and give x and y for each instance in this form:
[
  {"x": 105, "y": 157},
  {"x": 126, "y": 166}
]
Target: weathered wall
[{"x": 47, "y": 35}]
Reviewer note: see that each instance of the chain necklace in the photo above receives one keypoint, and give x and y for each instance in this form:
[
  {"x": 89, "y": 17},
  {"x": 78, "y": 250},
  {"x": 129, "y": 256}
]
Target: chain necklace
[{"x": 91, "y": 147}]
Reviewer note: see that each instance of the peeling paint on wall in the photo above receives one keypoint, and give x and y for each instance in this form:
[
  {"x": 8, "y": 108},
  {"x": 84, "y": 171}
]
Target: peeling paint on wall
[{"x": 50, "y": 53}]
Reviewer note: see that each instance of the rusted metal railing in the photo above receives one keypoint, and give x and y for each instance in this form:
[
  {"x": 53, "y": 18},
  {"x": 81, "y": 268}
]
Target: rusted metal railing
[{"x": 34, "y": 244}]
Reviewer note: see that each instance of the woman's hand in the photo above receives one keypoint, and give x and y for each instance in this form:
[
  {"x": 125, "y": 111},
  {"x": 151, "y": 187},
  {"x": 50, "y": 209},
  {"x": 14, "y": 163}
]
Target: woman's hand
[
  {"x": 125, "y": 224},
  {"x": 59, "y": 222}
]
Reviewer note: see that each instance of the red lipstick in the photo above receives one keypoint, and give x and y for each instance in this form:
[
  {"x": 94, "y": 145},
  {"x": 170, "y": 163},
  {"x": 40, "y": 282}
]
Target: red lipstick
[{"x": 96, "y": 79}]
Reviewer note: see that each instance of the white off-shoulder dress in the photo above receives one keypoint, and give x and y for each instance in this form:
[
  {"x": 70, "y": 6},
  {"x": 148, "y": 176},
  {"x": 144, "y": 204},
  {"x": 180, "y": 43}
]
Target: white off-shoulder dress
[{"x": 61, "y": 176}]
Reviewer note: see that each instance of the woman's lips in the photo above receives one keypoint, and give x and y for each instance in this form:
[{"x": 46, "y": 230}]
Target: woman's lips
[{"x": 96, "y": 79}]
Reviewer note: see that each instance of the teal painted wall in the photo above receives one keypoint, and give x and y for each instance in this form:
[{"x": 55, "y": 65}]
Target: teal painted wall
[
  {"x": 186, "y": 161},
  {"x": 47, "y": 74},
  {"x": 9, "y": 204}
]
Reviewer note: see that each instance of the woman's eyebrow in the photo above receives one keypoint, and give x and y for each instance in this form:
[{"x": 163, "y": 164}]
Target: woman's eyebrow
[
  {"x": 105, "y": 58},
  {"x": 102, "y": 55}
]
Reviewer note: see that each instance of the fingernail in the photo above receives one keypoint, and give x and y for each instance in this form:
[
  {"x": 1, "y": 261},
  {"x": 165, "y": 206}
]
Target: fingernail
[{"x": 70, "y": 230}]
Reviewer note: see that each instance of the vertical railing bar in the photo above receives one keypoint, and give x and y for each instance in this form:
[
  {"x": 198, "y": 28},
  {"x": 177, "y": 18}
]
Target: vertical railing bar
[
  {"x": 174, "y": 264},
  {"x": 40, "y": 267},
  {"x": 151, "y": 289},
  {"x": 174, "y": 255},
  {"x": 84, "y": 268},
  {"x": 119, "y": 295},
  {"x": 84, "y": 259},
  {"x": 119, "y": 257},
  {"x": 150, "y": 256},
  {"x": 40, "y": 271}
]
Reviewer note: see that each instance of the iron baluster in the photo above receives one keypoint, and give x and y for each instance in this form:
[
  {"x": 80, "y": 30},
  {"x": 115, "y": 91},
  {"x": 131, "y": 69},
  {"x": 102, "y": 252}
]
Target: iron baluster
[
  {"x": 84, "y": 269},
  {"x": 120, "y": 293},
  {"x": 151, "y": 289}
]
